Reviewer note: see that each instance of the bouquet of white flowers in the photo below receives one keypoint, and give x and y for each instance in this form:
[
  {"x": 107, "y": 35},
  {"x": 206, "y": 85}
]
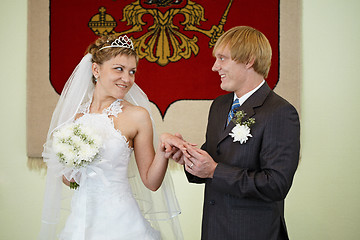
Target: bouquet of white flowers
[{"x": 76, "y": 146}]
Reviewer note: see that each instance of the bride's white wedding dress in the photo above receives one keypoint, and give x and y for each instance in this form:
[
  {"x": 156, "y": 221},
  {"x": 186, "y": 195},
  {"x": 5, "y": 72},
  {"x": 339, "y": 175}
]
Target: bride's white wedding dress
[{"x": 103, "y": 207}]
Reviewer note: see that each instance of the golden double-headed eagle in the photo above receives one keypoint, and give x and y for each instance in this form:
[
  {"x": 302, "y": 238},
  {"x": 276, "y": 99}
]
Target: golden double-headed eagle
[{"x": 162, "y": 42}]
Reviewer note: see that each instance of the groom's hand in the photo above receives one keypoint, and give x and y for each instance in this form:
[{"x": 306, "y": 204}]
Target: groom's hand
[{"x": 200, "y": 163}]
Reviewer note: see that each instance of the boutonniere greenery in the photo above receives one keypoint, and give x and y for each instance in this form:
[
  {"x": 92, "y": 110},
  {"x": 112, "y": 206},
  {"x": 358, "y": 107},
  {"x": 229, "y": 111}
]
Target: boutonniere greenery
[{"x": 241, "y": 131}]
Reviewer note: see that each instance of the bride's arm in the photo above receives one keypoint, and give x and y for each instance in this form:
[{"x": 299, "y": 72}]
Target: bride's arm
[{"x": 152, "y": 167}]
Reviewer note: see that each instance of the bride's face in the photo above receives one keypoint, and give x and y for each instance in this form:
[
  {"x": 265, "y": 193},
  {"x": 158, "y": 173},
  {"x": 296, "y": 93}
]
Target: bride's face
[{"x": 116, "y": 76}]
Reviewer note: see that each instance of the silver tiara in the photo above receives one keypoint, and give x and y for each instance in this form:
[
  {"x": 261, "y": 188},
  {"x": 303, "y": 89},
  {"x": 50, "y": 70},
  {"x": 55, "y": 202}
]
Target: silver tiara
[{"x": 122, "y": 41}]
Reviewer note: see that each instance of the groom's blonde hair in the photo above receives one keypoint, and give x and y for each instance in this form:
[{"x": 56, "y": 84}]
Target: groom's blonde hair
[{"x": 246, "y": 44}]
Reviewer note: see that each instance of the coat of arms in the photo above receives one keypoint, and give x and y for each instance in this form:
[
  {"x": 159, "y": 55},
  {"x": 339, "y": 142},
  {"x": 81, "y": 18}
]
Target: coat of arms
[{"x": 173, "y": 38}]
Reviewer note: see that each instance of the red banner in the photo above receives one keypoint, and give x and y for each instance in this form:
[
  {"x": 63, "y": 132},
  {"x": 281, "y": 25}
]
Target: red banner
[{"x": 173, "y": 38}]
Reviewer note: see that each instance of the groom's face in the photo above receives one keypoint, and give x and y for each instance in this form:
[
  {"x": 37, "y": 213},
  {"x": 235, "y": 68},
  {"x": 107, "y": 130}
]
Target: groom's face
[{"x": 232, "y": 73}]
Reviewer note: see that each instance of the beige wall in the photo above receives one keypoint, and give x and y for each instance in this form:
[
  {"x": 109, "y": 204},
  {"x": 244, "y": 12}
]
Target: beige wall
[{"x": 324, "y": 200}]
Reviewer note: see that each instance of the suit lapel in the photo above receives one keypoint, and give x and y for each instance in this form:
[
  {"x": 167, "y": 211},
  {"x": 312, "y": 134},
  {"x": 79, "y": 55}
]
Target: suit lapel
[
  {"x": 255, "y": 100},
  {"x": 225, "y": 109}
]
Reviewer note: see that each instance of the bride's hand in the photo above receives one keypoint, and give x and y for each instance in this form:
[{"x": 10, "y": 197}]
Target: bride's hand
[
  {"x": 181, "y": 137},
  {"x": 169, "y": 141},
  {"x": 173, "y": 146},
  {"x": 67, "y": 182}
]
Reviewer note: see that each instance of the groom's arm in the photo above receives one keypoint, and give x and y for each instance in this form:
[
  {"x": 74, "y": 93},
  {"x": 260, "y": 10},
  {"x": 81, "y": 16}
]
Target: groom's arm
[
  {"x": 192, "y": 178},
  {"x": 189, "y": 172}
]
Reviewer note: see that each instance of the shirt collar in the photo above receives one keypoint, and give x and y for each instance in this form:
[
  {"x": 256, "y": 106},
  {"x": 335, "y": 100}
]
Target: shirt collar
[{"x": 243, "y": 98}]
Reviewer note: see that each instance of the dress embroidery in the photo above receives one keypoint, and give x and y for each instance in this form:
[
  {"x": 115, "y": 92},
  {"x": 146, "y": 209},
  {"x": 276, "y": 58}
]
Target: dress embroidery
[
  {"x": 104, "y": 206},
  {"x": 113, "y": 110}
]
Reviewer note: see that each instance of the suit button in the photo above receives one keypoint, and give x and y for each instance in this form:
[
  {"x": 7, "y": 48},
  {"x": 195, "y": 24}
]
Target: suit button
[{"x": 212, "y": 202}]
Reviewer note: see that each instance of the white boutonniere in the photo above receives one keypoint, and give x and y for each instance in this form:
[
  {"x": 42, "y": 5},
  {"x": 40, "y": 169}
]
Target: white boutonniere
[{"x": 241, "y": 131}]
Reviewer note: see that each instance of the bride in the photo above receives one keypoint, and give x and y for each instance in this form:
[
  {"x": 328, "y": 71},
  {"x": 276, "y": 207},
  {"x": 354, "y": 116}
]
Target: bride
[{"x": 109, "y": 202}]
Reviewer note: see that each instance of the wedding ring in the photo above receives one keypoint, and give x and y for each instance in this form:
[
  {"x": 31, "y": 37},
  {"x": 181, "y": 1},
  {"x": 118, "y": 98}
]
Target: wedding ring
[{"x": 192, "y": 164}]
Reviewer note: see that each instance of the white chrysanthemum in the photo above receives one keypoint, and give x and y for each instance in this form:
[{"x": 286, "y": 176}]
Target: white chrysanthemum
[
  {"x": 66, "y": 131},
  {"x": 62, "y": 148},
  {"x": 87, "y": 131},
  {"x": 87, "y": 153},
  {"x": 240, "y": 133},
  {"x": 69, "y": 156},
  {"x": 73, "y": 150},
  {"x": 76, "y": 141},
  {"x": 57, "y": 145}
]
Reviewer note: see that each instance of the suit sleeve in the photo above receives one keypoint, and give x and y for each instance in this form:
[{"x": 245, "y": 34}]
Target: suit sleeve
[
  {"x": 278, "y": 160},
  {"x": 191, "y": 178},
  {"x": 194, "y": 179}
]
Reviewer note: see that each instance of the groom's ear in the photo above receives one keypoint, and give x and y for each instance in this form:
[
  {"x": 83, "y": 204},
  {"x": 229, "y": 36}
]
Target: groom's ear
[{"x": 250, "y": 62}]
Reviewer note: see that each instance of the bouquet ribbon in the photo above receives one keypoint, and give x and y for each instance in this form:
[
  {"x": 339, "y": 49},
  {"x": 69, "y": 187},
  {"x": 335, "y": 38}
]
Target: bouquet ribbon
[{"x": 81, "y": 175}]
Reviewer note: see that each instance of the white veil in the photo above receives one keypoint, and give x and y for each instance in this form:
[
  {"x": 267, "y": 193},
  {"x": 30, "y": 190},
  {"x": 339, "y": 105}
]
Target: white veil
[{"x": 160, "y": 208}]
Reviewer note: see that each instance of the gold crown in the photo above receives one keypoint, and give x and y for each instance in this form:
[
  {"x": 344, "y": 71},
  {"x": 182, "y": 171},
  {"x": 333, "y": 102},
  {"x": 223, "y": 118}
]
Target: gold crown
[{"x": 122, "y": 41}]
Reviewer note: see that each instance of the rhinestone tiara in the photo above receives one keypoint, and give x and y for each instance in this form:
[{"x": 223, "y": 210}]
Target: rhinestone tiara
[{"x": 122, "y": 41}]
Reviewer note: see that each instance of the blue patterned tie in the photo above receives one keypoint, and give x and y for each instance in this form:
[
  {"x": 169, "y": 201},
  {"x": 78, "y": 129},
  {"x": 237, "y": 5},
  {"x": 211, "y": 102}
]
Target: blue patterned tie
[{"x": 235, "y": 105}]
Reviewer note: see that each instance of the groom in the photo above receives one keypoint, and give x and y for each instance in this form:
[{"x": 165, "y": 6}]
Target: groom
[{"x": 248, "y": 167}]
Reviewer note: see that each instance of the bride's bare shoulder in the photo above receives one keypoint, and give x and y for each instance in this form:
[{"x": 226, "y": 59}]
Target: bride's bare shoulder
[{"x": 135, "y": 112}]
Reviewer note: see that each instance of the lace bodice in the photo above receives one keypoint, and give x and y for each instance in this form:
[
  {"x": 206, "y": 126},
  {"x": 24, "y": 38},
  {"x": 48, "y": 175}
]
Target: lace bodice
[
  {"x": 115, "y": 153},
  {"x": 113, "y": 110},
  {"x": 103, "y": 207}
]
